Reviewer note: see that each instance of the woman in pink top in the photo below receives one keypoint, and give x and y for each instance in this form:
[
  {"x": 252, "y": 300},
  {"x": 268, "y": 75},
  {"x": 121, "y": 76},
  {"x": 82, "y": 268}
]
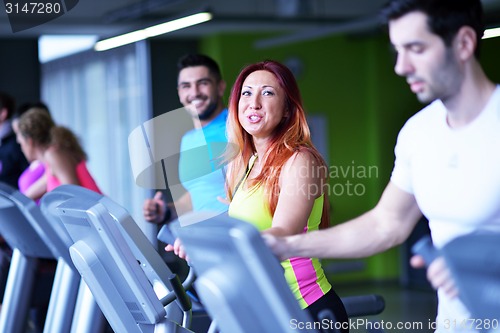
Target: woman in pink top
[
  {"x": 30, "y": 182},
  {"x": 57, "y": 147}
]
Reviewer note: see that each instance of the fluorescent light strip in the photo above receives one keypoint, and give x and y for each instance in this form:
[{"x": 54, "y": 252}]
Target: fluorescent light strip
[
  {"x": 155, "y": 30},
  {"x": 490, "y": 33}
]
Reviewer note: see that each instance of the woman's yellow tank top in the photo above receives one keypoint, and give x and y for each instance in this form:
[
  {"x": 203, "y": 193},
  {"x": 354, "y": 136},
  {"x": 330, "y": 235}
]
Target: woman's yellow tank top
[{"x": 305, "y": 276}]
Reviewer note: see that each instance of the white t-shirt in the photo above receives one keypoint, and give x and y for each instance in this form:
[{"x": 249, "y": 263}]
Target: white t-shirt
[{"x": 454, "y": 175}]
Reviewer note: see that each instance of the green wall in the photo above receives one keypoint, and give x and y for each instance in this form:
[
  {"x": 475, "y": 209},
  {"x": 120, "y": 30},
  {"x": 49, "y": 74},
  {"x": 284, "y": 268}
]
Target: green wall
[
  {"x": 351, "y": 82},
  {"x": 490, "y": 53}
]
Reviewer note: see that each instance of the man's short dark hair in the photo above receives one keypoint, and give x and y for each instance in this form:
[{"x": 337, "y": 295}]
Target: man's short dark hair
[
  {"x": 194, "y": 59},
  {"x": 7, "y": 102},
  {"x": 445, "y": 17}
]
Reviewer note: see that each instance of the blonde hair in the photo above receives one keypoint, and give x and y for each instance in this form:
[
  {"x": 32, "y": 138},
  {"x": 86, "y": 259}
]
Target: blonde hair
[{"x": 37, "y": 124}]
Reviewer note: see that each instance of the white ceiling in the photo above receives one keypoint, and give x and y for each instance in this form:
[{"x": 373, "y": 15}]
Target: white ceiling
[{"x": 110, "y": 17}]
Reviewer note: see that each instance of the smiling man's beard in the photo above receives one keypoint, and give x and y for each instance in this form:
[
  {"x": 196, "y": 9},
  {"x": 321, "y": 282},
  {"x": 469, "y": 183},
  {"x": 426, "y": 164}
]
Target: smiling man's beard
[{"x": 208, "y": 113}]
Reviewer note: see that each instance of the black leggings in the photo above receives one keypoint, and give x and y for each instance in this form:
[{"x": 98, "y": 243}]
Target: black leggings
[{"x": 330, "y": 301}]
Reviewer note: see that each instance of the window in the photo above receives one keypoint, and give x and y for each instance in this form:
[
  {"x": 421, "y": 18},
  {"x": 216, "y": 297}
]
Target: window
[{"x": 102, "y": 96}]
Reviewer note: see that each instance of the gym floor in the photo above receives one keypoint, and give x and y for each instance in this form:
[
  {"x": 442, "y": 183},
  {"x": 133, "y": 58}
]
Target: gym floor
[{"x": 413, "y": 309}]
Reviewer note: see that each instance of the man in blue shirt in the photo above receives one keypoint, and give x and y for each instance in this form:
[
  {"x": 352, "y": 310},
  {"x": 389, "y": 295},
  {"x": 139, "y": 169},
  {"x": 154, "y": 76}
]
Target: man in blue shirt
[{"x": 200, "y": 88}]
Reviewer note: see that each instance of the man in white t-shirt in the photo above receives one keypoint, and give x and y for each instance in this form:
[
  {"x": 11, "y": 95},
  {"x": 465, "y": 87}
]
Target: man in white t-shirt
[{"x": 447, "y": 155}]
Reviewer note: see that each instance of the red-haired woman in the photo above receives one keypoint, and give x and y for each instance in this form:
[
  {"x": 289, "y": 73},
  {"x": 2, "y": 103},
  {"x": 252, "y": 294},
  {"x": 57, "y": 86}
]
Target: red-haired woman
[{"x": 277, "y": 179}]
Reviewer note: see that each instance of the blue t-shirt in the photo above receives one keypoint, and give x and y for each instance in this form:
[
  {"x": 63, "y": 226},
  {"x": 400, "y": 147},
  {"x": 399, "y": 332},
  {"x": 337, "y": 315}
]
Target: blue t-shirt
[{"x": 200, "y": 168}]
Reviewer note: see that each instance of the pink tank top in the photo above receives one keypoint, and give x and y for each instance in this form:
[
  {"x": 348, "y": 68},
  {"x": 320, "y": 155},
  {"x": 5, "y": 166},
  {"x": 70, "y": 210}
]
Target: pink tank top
[
  {"x": 83, "y": 175},
  {"x": 30, "y": 175}
]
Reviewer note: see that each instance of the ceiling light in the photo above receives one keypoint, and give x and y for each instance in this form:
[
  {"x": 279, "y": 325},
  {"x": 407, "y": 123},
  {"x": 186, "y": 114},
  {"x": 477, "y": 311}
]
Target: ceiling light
[
  {"x": 490, "y": 33},
  {"x": 362, "y": 24},
  {"x": 51, "y": 47},
  {"x": 152, "y": 31}
]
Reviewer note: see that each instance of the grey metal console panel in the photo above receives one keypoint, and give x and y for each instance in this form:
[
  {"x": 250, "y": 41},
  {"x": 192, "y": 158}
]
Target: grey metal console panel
[
  {"x": 240, "y": 281},
  {"x": 121, "y": 268},
  {"x": 31, "y": 237}
]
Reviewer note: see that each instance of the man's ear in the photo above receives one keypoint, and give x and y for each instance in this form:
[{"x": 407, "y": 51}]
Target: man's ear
[{"x": 466, "y": 42}]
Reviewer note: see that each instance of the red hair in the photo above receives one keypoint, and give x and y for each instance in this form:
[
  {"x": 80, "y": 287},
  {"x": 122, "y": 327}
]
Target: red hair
[{"x": 290, "y": 136}]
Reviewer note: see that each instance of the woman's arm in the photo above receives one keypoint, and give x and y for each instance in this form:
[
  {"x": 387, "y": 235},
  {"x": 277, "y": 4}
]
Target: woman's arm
[
  {"x": 37, "y": 189},
  {"x": 300, "y": 186}
]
